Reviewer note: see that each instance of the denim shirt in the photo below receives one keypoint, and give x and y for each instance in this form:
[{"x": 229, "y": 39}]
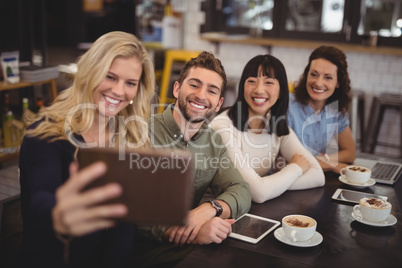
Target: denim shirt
[{"x": 315, "y": 131}]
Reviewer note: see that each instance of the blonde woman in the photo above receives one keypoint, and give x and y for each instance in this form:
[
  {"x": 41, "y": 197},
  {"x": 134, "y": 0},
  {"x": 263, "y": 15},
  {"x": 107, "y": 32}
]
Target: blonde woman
[{"x": 114, "y": 84}]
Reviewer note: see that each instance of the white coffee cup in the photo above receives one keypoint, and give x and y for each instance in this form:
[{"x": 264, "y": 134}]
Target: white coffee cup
[
  {"x": 356, "y": 174},
  {"x": 299, "y": 228},
  {"x": 373, "y": 209}
]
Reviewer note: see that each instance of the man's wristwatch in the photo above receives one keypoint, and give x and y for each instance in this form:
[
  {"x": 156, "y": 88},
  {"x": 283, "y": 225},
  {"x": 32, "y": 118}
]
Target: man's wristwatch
[{"x": 216, "y": 205}]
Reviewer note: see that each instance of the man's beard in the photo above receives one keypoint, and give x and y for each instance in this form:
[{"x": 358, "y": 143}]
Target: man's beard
[{"x": 193, "y": 119}]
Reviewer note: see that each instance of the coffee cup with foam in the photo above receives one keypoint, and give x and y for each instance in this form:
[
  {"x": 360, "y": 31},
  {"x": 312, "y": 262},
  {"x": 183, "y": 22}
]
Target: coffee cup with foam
[
  {"x": 356, "y": 174},
  {"x": 373, "y": 209},
  {"x": 299, "y": 228}
]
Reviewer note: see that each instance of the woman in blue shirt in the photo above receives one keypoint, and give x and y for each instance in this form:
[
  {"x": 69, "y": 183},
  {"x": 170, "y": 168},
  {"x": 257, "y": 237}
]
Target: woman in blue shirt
[{"x": 318, "y": 108}]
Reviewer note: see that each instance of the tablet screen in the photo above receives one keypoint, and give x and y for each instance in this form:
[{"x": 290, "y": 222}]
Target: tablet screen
[
  {"x": 353, "y": 196},
  {"x": 252, "y": 228}
]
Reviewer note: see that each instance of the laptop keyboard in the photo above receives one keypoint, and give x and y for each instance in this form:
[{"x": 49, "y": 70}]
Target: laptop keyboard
[{"x": 383, "y": 171}]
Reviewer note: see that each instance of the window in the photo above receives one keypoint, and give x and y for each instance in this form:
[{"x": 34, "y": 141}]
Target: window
[
  {"x": 315, "y": 16},
  {"x": 257, "y": 13},
  {"x": 239, "y": 16},
  {"x": 327, "y": 20},
  {"x": 315, "y": 20},
  {"x": 381, "y": 17}
]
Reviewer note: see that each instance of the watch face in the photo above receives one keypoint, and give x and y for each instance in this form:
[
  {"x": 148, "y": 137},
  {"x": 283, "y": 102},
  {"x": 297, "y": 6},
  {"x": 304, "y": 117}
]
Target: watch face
[{"x": 215, "y": 204}]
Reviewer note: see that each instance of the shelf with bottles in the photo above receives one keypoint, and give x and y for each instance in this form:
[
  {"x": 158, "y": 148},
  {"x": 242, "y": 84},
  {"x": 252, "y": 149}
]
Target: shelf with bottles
[{"x": 12, "y": 126}]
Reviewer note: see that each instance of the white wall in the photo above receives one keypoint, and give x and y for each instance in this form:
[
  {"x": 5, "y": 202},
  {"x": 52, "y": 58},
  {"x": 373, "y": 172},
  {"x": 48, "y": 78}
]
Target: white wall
[{"x": 372, "y": 73}]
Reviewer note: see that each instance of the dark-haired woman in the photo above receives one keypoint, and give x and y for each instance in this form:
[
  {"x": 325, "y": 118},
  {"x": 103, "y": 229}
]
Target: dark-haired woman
[
  {"x": 318, "y": 109},
  {"x": 255, "y": 132}
]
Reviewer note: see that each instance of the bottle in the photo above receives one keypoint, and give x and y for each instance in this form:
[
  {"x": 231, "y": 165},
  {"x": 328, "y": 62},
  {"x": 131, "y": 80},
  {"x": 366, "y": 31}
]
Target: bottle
[
  {"x": 5, "y": 108},
  {"x": 25, "y": 111},
  {"x": 25, "y": 118},
  {"x": 39, "y": 105},
  {"x": 11, "y": 133},
  {"x": 171, "y": 30},
  {"x": 24, "y": 104}
]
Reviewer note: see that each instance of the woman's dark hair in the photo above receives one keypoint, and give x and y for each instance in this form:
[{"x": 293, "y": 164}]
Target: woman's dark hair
[
  {"x": 341, "y": 93},
  {"x": 265, "y": 65}
]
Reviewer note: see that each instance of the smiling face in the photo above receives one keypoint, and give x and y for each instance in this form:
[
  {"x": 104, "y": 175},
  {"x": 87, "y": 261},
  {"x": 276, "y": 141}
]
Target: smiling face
[
  {"x": 119, "y": 86},
  {"x": 199, "y": 95},
  {"x": 260, "y": 93},
  {"x": 322, "y": 80}
]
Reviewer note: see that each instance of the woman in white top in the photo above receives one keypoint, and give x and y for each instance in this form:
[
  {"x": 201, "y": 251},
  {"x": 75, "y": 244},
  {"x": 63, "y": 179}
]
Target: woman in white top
[{"x": 255, "y": 132}]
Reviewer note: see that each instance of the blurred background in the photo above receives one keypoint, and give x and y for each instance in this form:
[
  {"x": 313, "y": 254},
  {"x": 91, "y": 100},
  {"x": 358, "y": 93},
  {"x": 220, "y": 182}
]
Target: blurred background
[
  {"x": 45, "y": 37},
  {"x": 54, "y": 33}
]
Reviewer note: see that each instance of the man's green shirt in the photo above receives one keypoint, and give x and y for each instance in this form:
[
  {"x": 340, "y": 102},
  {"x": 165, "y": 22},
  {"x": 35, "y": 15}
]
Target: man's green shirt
[{"x": 214, "y": 168}]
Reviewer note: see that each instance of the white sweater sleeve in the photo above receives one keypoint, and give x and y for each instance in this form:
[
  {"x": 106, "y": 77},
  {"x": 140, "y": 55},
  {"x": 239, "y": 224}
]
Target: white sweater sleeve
[
  {"x": 262, "y": 188},
  {"x": 314, "y": 176}
]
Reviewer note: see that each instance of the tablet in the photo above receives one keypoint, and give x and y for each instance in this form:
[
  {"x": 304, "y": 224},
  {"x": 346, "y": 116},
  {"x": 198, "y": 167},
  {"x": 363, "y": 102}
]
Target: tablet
[
  {"x": 157, "y": 185},
  {"x": 252, "y": 228},
  {"x": 353, "y": 196}
]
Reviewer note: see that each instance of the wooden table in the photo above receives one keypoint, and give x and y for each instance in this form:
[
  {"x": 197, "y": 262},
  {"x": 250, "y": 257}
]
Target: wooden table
[
  {"x": 6, "y": 157},
  {"x": 347, "y": 243}
]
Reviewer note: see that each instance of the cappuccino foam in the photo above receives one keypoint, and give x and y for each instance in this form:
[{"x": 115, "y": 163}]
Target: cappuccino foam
[
  {"x": 300, "y": 221},
  {"x": 359, "y": 169},
  {"x": 375, "y": 203}
]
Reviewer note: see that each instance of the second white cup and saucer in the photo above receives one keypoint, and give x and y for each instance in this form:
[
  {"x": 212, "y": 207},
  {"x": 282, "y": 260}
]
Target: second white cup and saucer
[
  {"x": 374, "y": 212},
  {"x": 356, "y": 176},
  {"x": 368, "y": 183},
  {"x": 298, "y": 236},
  {"x": 314, "y": 241}
]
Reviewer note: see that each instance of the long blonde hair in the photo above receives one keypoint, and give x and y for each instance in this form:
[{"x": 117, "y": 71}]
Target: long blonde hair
[{"x": 92, "y": 68}]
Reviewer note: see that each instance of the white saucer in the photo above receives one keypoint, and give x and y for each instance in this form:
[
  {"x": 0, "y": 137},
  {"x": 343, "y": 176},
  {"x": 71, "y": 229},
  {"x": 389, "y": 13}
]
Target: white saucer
[
  {"x": 369, "y": 183},
  {"x": 391, "y": 220},
  {"x": 314, "y": 241}
]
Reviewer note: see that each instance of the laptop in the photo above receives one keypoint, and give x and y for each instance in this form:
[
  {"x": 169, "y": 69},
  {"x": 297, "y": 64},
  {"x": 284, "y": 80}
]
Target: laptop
[
  {"x": 157, "y": 185},
  {"x": 382, "y": 171}
]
